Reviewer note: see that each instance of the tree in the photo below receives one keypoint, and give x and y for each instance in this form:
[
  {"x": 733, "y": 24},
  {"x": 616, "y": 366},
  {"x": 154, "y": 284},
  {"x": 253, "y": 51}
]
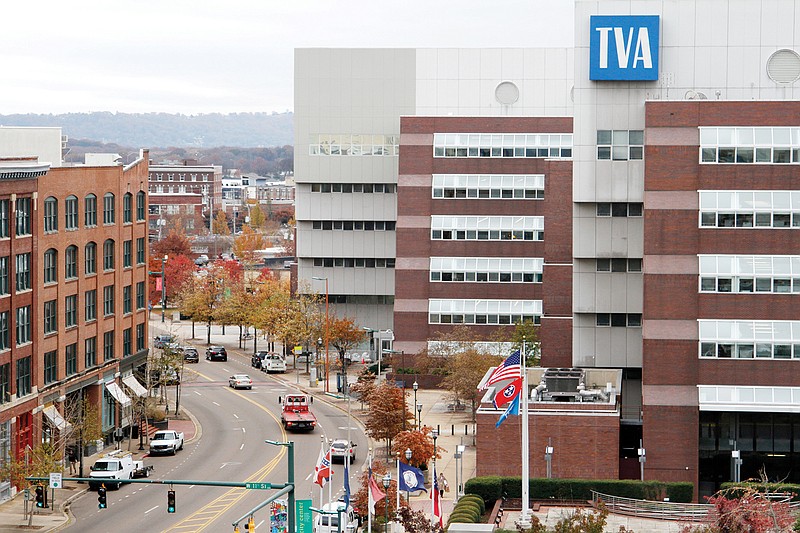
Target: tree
[
  {"x": 220, "y": 224},
  {"x": 746, "y": 509},
  {"x": 247, "y": 245},
  {"x": 387, "y": 407},
  {"x": 528, "y": 332},
  {"x": 257, "y": 218},
  {"x": 465, "y": 371},
  {"x": 344, "y": 335},
  {"x": 364, "y": 386},
  {"x": 361, "y": 498},
  {"x": 200, "y": 299},
  {"x": 417, "y": 521},
  {"x": 420, "y": 443},
  {"x": 173, "y": 244}
]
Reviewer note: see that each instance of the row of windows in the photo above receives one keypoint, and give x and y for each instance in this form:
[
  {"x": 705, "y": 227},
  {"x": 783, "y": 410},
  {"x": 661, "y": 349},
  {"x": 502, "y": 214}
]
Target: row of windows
[
  {"x": 50, "y": 259},
  {"x": 486, "y": 235},
  {"x": 90, "y": 306},
  {"x": 487, "y": 228},
  {"x": 90, "y": 210},
  {"x": 749, "y": 219},
  {"x": 618, "y": 265},
  {"x": 737, "y": 284},
  {"x": 361, "y": 299},
  {"x": 748, "y": 209},
  {"x": 486, "y": 269},
  {"x": 620, "y": 145},
  {"x": 761, "y": 350},
  {"x": 732, "y": 331},
  {"x": 354, "y": 262},
  {"x": 509, "y": 186},
  {"x": 620, "y": 209},
  {"x": 22, "y": 217},
  {"x": 502, "y": 145},
  {"x": 355, "y": 225},
  {"x": 619, "y": 320},
  {"x": 182, "y": 177},
  {"x": 369, "y": 188},
  {"x": 481, "y": 319},
  {"x": 348, "y": 144},
  {"x": 750, "y": 145},
  {"x": 786, "y": 265},
  {"x": 486, "y": 277},
  {"x": 471, "y": 310}
]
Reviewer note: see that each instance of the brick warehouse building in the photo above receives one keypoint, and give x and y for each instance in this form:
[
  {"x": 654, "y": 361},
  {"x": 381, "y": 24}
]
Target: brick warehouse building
[{"x": 653, "y": 89}]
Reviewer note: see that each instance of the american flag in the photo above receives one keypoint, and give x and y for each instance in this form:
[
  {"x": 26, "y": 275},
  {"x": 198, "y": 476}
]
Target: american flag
[
  {"x": 510, "y": 369},
  {"x": 436, "y": 511}
]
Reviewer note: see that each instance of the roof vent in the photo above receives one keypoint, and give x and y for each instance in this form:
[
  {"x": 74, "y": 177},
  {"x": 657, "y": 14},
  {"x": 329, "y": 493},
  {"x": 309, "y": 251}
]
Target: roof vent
[
  {"x": 694, "y": 95},
  {"x": 784, "y": 66},
  {"x": 506, "y": 92}
]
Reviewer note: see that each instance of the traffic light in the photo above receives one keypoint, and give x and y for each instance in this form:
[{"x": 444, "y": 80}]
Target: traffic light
[
  {"x": 39, "y": 496},
  {"x": 101, "y": 497},
  {"x": 170, "y": 501},
  {"x": 251, "y": 525}
]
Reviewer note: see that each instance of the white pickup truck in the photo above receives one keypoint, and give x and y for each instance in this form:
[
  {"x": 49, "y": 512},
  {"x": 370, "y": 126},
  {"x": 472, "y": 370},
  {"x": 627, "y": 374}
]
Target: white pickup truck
[
  {"x": 166, "y": 441},
  {"x": 118, "y": 464}
]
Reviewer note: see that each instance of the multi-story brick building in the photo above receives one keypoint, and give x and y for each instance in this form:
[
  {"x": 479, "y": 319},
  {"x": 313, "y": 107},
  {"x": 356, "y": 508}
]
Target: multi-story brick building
[{"x": 183, "y": 196}]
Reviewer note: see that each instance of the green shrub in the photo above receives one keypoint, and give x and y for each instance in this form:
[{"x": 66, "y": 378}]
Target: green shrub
[
  {"x": 488, "y": 488},
  {"x": 790, "y": 488},
  {"x": 461, "y": 517},
  {"x": 469, "y": 507},
  {"x": 474, "y": 498}
]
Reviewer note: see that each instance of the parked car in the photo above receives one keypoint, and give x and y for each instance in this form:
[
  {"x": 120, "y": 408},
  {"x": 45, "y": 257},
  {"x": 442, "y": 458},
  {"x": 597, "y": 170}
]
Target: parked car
[
  {"x": 273, "y": 363},
  {"x": 202, "y": 260},
  {"x": 240, "y": 381},
  {"x": 161, "y": 340},
  {"x": 341, "y": 449},
  {"x": 190, "y": 354},
  {"x": 216, "y": 353},
  {"x": 258, "y": 359}
]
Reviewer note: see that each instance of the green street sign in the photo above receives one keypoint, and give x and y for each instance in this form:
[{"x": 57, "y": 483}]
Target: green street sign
[
  {"x": 303, "y": 513},
  {"x": 261, "y": 486}
]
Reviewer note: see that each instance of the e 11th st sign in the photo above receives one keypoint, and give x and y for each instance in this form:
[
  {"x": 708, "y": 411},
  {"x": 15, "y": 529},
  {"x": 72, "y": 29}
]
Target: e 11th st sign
[
  {"x": 260, "y": 486},
  {"x": 624, "y": 47}
]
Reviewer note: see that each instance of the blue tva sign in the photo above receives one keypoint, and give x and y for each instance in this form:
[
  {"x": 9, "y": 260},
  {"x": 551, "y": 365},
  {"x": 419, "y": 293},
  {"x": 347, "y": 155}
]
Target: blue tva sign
[{"x": 624, "y": 47}]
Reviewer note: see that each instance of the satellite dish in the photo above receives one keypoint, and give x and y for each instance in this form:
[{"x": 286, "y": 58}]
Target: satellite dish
[{"x": 694, "y": 95}]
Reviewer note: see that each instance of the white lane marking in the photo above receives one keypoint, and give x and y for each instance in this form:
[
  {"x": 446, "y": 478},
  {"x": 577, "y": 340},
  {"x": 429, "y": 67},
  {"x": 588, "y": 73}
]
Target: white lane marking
[
  {"x": 235, "y": 415},
  {"x": 241, "y": 447},
  {"x": 244, "y": 431},
  {"x": 309, "y": 476},
  {"x": 197, "y": 393},
  {"x": 215, "y": 403},
  {"x": 260, "y": 524},
  {"x": 151, "y": 509}
]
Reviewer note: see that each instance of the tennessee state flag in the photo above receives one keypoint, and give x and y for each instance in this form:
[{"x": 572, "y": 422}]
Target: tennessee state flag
[
  {"x": 508, "y": 393},
  {"x": 323, "y": 470}
]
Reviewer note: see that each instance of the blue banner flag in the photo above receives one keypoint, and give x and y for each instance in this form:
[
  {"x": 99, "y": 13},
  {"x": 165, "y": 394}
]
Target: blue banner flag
[
  {"x": 346, "y": 483},
  {"x": 411, "y": 478},
  {"x": 513, "y": 409}
]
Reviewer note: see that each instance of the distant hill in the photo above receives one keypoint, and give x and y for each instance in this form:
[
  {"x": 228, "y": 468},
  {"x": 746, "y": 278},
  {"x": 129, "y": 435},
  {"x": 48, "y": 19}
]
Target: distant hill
[{"x": 146, "y": 130}]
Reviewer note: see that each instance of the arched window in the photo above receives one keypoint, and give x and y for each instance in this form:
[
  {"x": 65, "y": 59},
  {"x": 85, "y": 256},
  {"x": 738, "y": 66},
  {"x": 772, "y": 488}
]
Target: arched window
[
  {"x": 127, "y": 208},
  {"x": 71, "y": 262},
  {"x": 90, "y": 258},
  {"x": 50, "y": 266},
  {"x": 71, "y": 212},
  {"x": 108, "y": 208},
  {"x": 108, "y": 255},
  {"x": 50, "y": 215},
  {"x": 140, "y": 205},
  {"x": 90, "y": 210}
]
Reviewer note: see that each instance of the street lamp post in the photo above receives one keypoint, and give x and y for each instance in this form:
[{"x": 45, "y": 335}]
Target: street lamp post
[
  {"x": 163, "y": 287},
  {"x": 415, "y": 386},
  {"x": 548, "y": 457},
  {"x": 327, "y": 325},
  {"x": 387, "y": 480},
  {"x": 435, "y": 435},
  {"x": 642, "y": 459},
  {"x": 409, "y": 453},
  {"x": 419, "y": 412}
]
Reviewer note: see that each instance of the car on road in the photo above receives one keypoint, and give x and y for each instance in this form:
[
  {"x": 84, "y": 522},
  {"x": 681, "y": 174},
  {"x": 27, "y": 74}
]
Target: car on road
[
  {"x": 273, "y": 363},
  {"x": 216, "y": 353},
  {"x": 201, "y": 260},
  {"x": 240, "y": 381},
  {"x": 341, "y": 449},
  {"x": 258, "y": 359},
  {"x": 161, "y": 340},
  {"x": 190, "y": 354}
]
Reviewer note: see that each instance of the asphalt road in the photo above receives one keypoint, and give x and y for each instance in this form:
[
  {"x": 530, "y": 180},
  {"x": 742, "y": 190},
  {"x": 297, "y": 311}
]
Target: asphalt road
[{"x": 231, "y": 448}]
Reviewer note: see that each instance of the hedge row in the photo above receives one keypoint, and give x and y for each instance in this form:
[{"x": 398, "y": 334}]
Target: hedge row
[
  {"x": 491, "y": 488},
  {"x": 737, "y": 489}
]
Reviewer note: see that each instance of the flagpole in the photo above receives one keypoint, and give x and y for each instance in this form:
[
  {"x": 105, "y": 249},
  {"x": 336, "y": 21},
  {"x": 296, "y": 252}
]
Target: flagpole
[
  {"x": 525, "y": 519},
  {"x": 369, "y": 493},
  {"x": 397, "y": 507}
]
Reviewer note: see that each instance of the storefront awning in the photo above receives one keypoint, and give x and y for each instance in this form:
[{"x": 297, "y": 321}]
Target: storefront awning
[
  {"x": 133, "y": 384},
  {"x": 56, "y": 420},
  {"x": 121, "y": 398}
]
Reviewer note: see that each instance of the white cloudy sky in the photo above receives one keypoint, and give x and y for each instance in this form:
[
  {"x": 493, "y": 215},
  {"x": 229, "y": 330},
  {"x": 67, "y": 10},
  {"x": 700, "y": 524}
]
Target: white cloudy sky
[{"x": 203, "y": 56}]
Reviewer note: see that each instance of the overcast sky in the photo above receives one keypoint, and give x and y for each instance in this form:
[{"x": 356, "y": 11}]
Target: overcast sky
[{"x": 200, "y": 56}]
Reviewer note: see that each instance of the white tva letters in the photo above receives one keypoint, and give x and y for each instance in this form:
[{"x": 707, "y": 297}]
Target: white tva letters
[{"x": 641, "y": 54}]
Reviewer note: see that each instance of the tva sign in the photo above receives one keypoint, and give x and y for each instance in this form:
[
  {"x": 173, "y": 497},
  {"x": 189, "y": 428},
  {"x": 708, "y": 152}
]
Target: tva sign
[{"x": 624, "y": 47}]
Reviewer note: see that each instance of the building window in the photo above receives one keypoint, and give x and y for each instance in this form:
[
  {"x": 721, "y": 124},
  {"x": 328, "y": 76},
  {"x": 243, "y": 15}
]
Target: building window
[
  {"x": 90, "y": 261},
  {"x": 140, "y": 206},
  {"x": 127, "y": 299},
  {"x": 50, "y": 261},
  {"x": 486, "y": 269},
  {"x": 71, "y": 212},
  {"x": 109, "y": 214},
  {"x": 778, "y": 274},
  {"x": 623, "y": 320},
  {"x": 140, "y": 295},
  {"x": 23, "y": 325},
  {"x": 354, "y": 145},
  {"x": 5, "y": 383},
  {"x": 23, "y": 376},
  {"x": 90, "y": 352},
  {"x": 749, "y": 339},
  {"x": 491, "y": 228},
  {"x": 108, "y": 345},
  {"x": 71, "y": 311},
  {"x": 108, "y": 255},
  {"x": 140, "y": 337},
  {"x": 761, "y": 145},
  {"x": 618, "y": 265},
  {"x": 357, "y": 262},
  {"x": 127, "y": 208},
  {"x": 620, "y": 145},
  {"x": 4, "y": 287},
  {"x": 4, "y": 328},
  {"x": 90, "y": 305},
  {"x": 750, "y": 209},
  {"x": 355, "y": 225},
  {"x": 140, "y": 251},
  {"x": 619, "y": 209},
  {"x": 23, "y": 273},
  {"x": 126, "y": 343},
  {"x": 71, "y": 262},
  {"x": 551, "y": 145},
  {"x": 23, "y": 216},
  {"x": 71, "y": 359},
  {"x": 50, "y": 316},
  {"x": 90, "y": 210},
  {"x": 50, "y": 215},
  {"x": 108, "y": 300},
  {"x": 4, "y": 219},
  {"x": 489, "y": 186},
  {"x": 484, "y": 312},
  {"x": 50, "y": 367},
  {"x": 127, "y": 254}
]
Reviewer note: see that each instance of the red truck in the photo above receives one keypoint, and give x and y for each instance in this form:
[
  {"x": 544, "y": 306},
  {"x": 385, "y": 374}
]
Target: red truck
[{"x": 295, "y": 415}]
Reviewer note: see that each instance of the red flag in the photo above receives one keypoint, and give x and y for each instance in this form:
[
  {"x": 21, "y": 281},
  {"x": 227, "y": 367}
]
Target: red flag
[
  {"x": 323, "y": 471},
  {"x": 158, "y": 283},
  {"x": 375, "y": 493},
  {"x": 510, "y": 392},
  {"x": 437, "y": 504}
]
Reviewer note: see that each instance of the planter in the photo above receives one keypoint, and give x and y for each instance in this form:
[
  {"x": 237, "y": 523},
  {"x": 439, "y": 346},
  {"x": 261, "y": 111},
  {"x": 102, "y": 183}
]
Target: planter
[{"x": 159, "y": 425}]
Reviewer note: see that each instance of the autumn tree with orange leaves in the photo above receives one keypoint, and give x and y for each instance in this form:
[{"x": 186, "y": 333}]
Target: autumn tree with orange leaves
[
  {"x": 420, "y": 442},
  {"x": 387, "y": 407}
]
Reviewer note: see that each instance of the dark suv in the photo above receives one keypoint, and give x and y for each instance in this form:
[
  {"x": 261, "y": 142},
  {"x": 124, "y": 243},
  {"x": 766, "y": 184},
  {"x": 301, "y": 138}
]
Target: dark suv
[
  {"x": 216, "y": 353},
  {"x": 258, "y": 359},
  {"x": 190, "y": 354}
]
